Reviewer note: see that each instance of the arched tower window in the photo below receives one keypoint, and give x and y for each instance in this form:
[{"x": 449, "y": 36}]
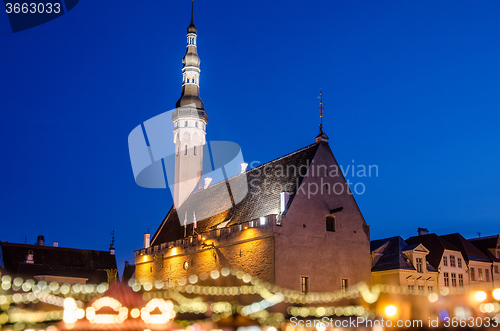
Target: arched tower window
[{"x": 330, "y": 223}]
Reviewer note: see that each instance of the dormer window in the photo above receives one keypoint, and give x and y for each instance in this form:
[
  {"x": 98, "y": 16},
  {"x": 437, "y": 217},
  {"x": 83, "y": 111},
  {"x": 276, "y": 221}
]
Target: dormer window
[
  {"x": 419, "y": 264},
  {"x": 452, "y": 261},
  {"x": 29, "y": 257},
  {"x": 445, "y": 261},
  {"x": 459, "y": 262}
]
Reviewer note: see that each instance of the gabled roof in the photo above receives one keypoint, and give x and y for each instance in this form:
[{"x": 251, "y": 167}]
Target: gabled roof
[
  {"x": 57, "y": 261},
  {"x": 486, "y": 243},
  {"x": 128, "y": 272},
  {"x": 435, "y": 245},
  {"x": 392, "y": 256},
  {"x": 214, "y": 205},
  {"x": 469, "y": 251}
]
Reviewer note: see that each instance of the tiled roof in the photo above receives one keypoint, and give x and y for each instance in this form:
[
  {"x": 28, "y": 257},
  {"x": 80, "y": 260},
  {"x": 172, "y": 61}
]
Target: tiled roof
[
  {"x": 213, "y": 205},
  {"x": 469, "y": 251},
  {"x": 484, "y": 243},
  {"x": 57, "y": 261},
  {"x": 392, "y": 255},
  {"x": 435, "y": 245}
]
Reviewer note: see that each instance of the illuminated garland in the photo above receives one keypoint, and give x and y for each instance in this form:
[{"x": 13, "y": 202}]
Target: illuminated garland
[{"x": 61, "y": 295}]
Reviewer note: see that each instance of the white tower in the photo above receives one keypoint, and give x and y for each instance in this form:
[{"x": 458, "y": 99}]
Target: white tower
[{"x": 190, "y": 120}]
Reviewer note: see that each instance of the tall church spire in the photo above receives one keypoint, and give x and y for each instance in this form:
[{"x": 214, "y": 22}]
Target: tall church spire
[
  {"x": 190, "y": 120},
  {"x": 191, "y": 71}
]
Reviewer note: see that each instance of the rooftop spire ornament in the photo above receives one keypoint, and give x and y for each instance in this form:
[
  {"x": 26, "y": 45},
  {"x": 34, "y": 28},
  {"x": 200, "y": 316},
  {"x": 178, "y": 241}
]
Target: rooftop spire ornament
[{"x": 321, "y": 111}]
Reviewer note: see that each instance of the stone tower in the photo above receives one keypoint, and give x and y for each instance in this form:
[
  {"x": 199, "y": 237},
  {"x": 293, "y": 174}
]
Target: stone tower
[{"x": 190, "y": 120}]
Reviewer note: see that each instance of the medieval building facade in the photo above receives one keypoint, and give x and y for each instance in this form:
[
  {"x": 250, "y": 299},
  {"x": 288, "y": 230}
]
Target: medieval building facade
[{"x": 292, "y": 221}]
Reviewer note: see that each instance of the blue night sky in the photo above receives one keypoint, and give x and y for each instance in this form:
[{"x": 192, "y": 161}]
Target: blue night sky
[{"x": 410, "y": 86}]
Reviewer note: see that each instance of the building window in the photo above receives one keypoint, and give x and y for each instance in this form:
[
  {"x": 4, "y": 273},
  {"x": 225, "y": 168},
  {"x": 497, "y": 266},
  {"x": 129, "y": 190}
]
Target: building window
[
  {"x": 185, "y": 149},
  {"x": 445, "y": 261},
  {"x": 345, "y": 284},
  {"x": 421, "y": 289},
  {"x": 452, "y": 261},
  {"x": 411, "y": 288},
  {"x": 419, "y": 264},
  {"x": 185, "y": 265},
  {"x": 430, "y": 289},
  {"x": 496, "y": 269},
  {"x": 446, "y": 279},
  {"x": 194, "y": 150},
  {"x": 472, "y": 274},
  {"x": 480, "y": 274},
  {"x": 460, "y": 280},
  {"x": 487, "y": 274},
  {"x": 454, "y": 279},
  {"x": 186, "y": 123},
  {"x": 459, "y": 262},
  {"x": 304, "y": 285},
  {"x": 330, "y": 223}
]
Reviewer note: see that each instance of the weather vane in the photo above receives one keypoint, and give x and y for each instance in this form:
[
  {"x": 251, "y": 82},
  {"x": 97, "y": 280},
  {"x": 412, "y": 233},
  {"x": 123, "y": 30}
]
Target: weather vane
[{"x": 321, "y": 108}]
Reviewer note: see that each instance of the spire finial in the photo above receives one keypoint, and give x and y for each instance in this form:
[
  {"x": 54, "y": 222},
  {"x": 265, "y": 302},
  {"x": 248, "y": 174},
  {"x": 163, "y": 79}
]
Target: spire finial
[
  {"x": 321, "y": 111},
  {"x": 192, "y": 10}
]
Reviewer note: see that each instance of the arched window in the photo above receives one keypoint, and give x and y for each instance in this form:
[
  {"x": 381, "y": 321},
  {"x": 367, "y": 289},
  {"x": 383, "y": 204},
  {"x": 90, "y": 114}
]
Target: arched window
[
  {"x": 185, "y": 149},
  {"x": 194, "y": 150},
  {"x": 330, "y": 223}
]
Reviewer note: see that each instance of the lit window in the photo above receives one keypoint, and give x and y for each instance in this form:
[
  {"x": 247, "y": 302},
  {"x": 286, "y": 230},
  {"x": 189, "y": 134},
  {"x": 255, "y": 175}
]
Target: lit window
[
  {"x": 430, "y": 289},
  {"x": 344, "y": 286},
  {"x": 446, "y": 279},
  {"x": 472, "y": 274},
  {"x": 421, "y": 289},
  {"x": 304, "y": 284},
  {"x": 496, "y": 269},
  {"x": 411, "y": 288},
  {"x": 262, "y": 221},
  {"x": 185, "y": 265},
  {"x": 454, "y": 279},
  {"x": 460, "y": 280},
  {"x": 419, "y": 264},
  {"x": 330, "y": 223},
  {"x": 459, "y": 260},
  {"x": 452, "y": 260},
  {"x": 445, "y": 261},
  {"x": 487, "y": 274},
  {"x": 480, "y": 274}
]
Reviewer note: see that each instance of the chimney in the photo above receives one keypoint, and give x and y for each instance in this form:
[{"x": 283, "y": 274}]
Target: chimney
[
  {"x": 126, "y": 264},
  {"x": 423, "y": 231},
  {"x": 147, "y": 242},
  {"x": 208, "y": 180},
  {"x": 40, "y": 241},
  {"x": 55, "y": 244},
  {"x": 284, "y": 197},
  {"x": 244, "y": 166}
]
